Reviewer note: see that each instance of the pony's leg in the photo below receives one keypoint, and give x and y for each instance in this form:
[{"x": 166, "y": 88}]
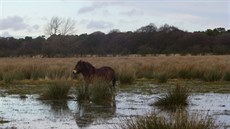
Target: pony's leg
[
  {"x": 113, "y": 91},
  {"x": 87, "y": 90}
]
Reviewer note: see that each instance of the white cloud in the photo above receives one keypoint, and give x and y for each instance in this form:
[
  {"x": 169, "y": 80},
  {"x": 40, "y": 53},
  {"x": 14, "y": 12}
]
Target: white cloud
[
  {"x": 132, "y": 12},
  {"x": 99, "y": 25},
  {"x": 16, "y": 23},
  {"x": 92, "y": 7}
]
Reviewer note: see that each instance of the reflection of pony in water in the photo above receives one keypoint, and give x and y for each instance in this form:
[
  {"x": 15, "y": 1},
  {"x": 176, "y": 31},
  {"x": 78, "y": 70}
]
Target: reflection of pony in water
[
  {"x": 90, "y": 73},
  {"x": 87, "y": 114},
  {"x": 101, "y": 79}
]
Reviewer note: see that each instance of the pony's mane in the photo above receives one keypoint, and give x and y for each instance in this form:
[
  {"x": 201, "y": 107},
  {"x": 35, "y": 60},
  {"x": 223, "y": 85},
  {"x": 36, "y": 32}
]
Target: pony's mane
[{"x": 89, "y": 67}]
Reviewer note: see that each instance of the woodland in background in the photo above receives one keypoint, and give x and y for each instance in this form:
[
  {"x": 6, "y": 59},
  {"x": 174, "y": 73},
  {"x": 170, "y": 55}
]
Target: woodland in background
[{"x": 145, "y": 40}]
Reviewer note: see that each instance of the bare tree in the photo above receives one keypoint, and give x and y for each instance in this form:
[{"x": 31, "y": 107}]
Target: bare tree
[
  {"x": 68, "y": 27},
  {"x": 60, "y": 26}
]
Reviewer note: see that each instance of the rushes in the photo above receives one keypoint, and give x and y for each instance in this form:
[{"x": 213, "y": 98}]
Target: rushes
[
  {"x": 126, "y": 77},
  {"x": 100, "y": 93},
  {"x": 174, "y": 98},
  {"x": 180, "y": 120},
  {"x": 57, "y": 91}
]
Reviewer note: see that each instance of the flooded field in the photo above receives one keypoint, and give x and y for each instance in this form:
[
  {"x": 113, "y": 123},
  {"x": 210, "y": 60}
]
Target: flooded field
[{"x": 32, "y": 113}]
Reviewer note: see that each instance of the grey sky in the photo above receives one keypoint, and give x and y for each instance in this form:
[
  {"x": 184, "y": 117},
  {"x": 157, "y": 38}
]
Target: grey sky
[{"x": 29, "y": 17}]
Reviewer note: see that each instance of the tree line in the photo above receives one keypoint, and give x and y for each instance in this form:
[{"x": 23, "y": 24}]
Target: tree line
[{"x": 148, "y": 39}]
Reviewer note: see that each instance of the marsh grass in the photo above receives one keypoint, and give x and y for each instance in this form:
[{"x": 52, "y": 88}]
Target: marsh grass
[
  {"x": 162, "y": 78},
  {"x": 99, "y": 93},
  {"x": 82, "y": 94},
  {"x": 174, "y": 98},
  {"x": 56, "y": 91},
  {"x": 213, "y": 75},
  {"x": 227, "y": 76},
  {"x": 9, "y": 77},
  {"x": 128, "y": 68},
  {"x": 126, "y": 77},
  {"x": 145, "y": 72},
  {"x": 2, "y": 121},
  {"x": 180, "y": 120}
]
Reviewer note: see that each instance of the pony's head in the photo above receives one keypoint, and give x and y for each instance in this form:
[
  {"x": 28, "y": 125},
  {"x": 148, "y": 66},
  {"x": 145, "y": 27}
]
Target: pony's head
[
  {"x": 84, "y": 68},
  {"x": 79, "y": 67}
]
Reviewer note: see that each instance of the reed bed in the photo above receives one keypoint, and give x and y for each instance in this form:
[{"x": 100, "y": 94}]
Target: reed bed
[{"x": 206, "y": 68}]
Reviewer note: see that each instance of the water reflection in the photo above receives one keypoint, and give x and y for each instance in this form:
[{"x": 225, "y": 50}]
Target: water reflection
[
  {"x": 83, "y": 114},
  {"x": 92, "y": 114}
]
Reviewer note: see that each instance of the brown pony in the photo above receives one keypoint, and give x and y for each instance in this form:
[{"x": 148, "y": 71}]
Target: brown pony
[{"x": 90, "y": 73}]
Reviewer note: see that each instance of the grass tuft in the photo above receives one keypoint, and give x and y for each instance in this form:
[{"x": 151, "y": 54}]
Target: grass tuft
[
  {"x": 82, "y": 94},
  {"x": 57, "y": 91},
  {"x": 174, "y": 98},
  {"x": 99, "y": 93},
  {"x": 162, "y": 78},
  {"x": 227, "y": 76},
  {"x": 213, "y": 75},
  {"x": 179, "y": 121},
  {"x": 126, "y": 77}
]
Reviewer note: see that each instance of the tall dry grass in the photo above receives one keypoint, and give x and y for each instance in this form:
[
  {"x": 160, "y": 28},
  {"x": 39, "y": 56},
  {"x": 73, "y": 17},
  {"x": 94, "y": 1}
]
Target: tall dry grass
[{"x": 207, "y": 68}]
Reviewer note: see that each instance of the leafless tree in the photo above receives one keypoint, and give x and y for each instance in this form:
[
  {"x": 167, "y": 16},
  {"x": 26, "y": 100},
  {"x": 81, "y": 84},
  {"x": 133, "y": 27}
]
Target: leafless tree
[
  {"x": 68, "y": 27},
  {"x": 60, "y": 26}
]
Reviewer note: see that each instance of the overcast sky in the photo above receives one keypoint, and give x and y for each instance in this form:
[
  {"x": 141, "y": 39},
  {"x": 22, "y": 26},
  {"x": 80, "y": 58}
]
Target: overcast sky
[{"x": 29, "y": 17}]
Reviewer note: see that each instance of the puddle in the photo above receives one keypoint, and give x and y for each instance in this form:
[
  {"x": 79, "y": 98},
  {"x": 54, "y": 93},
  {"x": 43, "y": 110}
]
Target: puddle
[{"x": 35, "y": 114}]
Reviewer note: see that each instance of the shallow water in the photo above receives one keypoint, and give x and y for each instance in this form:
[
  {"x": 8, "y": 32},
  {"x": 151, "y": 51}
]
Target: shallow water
[{"x": 37, "y": 114}]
